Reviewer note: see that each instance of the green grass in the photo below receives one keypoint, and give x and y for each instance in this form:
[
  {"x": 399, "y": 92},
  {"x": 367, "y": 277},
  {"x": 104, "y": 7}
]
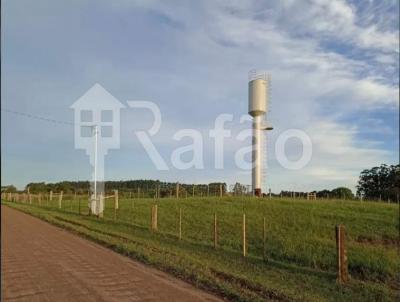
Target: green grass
[{"x": 300, "y": 246}]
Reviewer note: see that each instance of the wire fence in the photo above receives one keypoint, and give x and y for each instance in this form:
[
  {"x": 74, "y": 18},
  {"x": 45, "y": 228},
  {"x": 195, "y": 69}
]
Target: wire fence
[{"x": 247, "y": 226}]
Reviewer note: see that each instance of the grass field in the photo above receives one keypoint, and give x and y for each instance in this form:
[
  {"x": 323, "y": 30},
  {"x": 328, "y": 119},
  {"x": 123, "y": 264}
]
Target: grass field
[{"x": 300, "y": 249}]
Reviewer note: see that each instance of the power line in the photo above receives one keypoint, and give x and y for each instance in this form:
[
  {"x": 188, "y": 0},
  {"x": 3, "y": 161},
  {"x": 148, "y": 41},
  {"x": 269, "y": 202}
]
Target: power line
[{"x": 28, "y": 115}]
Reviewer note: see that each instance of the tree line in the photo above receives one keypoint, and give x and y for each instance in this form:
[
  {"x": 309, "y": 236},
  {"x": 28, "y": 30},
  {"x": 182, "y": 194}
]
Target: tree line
[
  {"x": 378, "y": 183},
  {"x": 338, "y": 193},
  {"x": 145, "y": 186}
]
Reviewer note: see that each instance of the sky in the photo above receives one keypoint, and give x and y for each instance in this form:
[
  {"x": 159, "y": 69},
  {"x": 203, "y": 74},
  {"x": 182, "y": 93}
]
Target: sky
[{"x": 333, "y": 66}]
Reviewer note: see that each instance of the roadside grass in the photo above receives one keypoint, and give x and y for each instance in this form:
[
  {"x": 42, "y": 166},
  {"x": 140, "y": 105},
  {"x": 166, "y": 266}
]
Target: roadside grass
[{"x": 300, "y": 246}]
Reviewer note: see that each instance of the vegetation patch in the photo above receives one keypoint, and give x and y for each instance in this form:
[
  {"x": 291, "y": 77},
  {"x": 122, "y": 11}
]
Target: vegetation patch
[{"x": 300, "y": 248}]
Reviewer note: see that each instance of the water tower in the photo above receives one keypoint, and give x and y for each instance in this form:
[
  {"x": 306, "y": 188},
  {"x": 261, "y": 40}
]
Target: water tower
[{"x": 258, "y": 104}]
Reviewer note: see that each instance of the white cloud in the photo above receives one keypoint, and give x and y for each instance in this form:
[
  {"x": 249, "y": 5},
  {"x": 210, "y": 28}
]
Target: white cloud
[
  {"x": 338, "y": 156},
  {"x": 339, "y": 20}
]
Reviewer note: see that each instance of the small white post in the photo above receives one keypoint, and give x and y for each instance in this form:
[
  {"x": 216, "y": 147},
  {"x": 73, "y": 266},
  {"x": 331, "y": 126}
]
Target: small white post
[{"x": 60, "y": 199}]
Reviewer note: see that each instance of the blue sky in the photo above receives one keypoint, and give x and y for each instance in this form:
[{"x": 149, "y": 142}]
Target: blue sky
[{"x": 334, "y": 68}]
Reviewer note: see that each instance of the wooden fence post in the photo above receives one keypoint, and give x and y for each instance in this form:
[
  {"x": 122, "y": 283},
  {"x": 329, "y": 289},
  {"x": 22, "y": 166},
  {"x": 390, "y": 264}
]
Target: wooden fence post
[
  {"x": 132, "y": 210},
  {"x": 154, "y": 224},
  {"x": 244, "y": 235},
  {"x": 60, "y": 200},
  {"x": 116, "y": 204},
  {"x": 51, "y": 195},
  {"x": 264, "y": 240},
  {"x": 79, "y": 206},
  {"x": 151, "y": 218},
  {"x": 343, "y": 275},
  {"x": 180, "y": 223},
  {"x": 220, "y": 190},
  {"x": 215, "y": 231},
  {"x": 177, "y": 190},
  {"x": 40, "y": 199},
  {"x": 30, "y": 198},
  {"x": 193, "y": 191}
]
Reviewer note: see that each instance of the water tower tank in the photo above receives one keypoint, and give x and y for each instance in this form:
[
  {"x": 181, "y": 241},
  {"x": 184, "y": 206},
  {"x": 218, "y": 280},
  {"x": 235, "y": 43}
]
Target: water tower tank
[{"x": 258, "y": 96}]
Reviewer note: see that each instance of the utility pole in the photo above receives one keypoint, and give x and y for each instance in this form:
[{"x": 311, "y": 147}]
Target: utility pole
[{"x": 95, "y": 161}]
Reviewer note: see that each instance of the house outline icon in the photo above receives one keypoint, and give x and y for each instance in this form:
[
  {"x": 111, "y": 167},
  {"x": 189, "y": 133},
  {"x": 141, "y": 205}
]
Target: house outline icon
[{"x": 97, "y": 107}]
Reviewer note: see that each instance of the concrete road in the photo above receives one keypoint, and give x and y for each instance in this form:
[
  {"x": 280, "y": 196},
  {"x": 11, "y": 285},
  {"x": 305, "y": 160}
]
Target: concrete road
[{"x": 41, "y": 262}]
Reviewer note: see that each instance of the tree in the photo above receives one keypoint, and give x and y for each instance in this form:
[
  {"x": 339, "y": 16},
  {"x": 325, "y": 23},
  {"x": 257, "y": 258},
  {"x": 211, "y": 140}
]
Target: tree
[
  {"x": 342, "y": 193},
  {"x": 324, "y": 194},
  {"x": 36, "y": 187},
  {"x": 379, "y": 183},
  {"x": 239, "y": 189},
  {"x": 9, "y": 189}
]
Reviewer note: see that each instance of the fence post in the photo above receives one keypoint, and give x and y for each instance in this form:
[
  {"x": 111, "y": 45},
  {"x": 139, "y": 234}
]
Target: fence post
[
  {"x": 215, "y": 231},
  {"x": 79, "y": 206},
  {"x": 220, "y": 190},
  {"x": 177, "y": 190},
  {"x": 60, "y": 200},
  {"x": 151, "y": 218},
  {"x": 154, "y": 224},
  {"x": 180, "y": 223},
  {"x": 193, "y": 191},
  {"x": 51, "y": 195},
  {"x": 116, "y": 205},
  {"x": 100, "y": 205},
  {"x": 264, "y": 241},
  {"x": 341, "y": 254},
  {"x": 40, "y": 199},
  {"x": 132, "y": 208},
  {"x": 30, "y": 198},
  {"x": 244, "y": 235}
]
